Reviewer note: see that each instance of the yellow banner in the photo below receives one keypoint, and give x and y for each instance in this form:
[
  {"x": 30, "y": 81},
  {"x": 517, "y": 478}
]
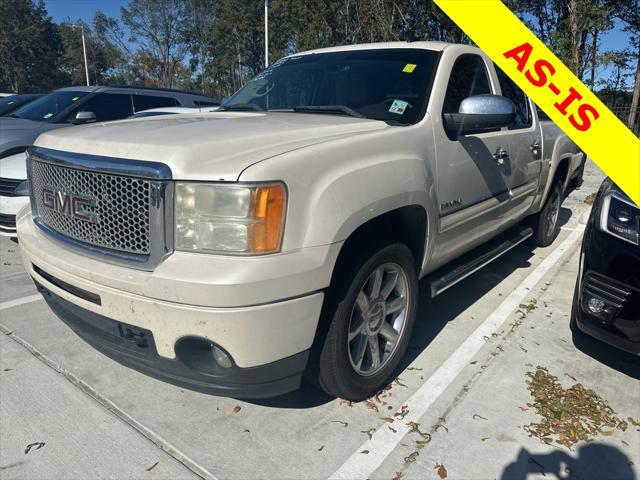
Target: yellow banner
[{"x": 552, "y": 86}]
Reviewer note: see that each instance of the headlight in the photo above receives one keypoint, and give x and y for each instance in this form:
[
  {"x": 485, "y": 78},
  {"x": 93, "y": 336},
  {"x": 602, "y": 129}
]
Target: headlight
[
  {"x": 620, "y": 218},
  {"x": 234, "y": 219},
  {"x": 22, "y": 190}
]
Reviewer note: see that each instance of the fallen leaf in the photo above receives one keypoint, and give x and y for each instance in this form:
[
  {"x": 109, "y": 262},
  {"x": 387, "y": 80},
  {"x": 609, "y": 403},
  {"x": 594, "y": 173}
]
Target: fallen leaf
[
  {"x": 624, "y": 443},
  {"x": 344, "y": 424},
  {"x": 404, "y": 410},
  {"x": 321, "y": 448},
  {"x": 484, "y": 439},
  {"x": 398, "y": 382},
  {"x": 237, "y": 408},
  {"x": 366, "y": 452},
  {"x": 412, "y": 457},
  {"x": 634, "y": 422},
  {"x": 152, "y": 466},
  {"x": 369, "y": 432},
  {"x": 34, "y": 446},
  {"x": 442, "y": 472},
  {"x": 388, "y": 419},
  {"x": 392, "y": 429},
  {"x": 475, "y": 415},
  {"x": 397, "y": 476}
]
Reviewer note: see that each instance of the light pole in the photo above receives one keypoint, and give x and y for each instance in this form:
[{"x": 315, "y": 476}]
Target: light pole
[
  {"x": 266, "y": 33},
  {"x": 84, "y": 51}
]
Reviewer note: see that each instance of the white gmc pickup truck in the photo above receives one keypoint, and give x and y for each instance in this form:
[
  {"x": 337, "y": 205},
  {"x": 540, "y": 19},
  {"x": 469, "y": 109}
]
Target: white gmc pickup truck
[{"x": 232, "y": 252}]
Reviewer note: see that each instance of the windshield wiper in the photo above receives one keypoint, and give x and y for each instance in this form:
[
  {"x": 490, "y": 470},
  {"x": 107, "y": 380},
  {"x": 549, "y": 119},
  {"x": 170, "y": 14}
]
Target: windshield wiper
[
  {"x": 243, "y": 107},
  {"x": 331, "y": 109}
]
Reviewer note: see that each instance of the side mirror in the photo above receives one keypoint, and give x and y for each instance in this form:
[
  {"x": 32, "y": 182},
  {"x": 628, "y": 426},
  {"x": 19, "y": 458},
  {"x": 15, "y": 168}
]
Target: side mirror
[
  {"x": 480, "y": 113},
  {"x": 84, "y": 117}
]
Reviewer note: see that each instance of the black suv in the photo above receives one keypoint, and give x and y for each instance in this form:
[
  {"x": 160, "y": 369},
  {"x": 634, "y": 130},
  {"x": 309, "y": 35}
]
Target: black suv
[
  {"x": 606, "y": 303},
  {"x": 78, "y": 105}
]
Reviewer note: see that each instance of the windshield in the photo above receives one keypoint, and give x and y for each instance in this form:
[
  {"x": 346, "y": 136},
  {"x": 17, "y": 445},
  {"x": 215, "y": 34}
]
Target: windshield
[
  {"x": 392, "y": 85},
  {"x": 49, "y": 106}
]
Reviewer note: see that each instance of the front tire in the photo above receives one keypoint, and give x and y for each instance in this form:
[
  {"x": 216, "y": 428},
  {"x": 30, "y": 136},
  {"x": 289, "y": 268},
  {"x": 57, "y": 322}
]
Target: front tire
[{"x": 371, "y": 311}]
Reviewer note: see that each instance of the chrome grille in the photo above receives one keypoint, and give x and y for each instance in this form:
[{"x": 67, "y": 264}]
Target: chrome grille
[{"x": 120, "y": 207}]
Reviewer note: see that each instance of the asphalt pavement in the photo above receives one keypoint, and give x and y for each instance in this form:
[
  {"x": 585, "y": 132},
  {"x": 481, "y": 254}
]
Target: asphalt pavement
[{"x": 463, "y": 406}]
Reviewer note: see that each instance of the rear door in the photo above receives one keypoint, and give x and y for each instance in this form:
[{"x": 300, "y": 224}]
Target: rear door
[
  {"x": 106, "y": 106},
  {"x": 523, "y": 165}
]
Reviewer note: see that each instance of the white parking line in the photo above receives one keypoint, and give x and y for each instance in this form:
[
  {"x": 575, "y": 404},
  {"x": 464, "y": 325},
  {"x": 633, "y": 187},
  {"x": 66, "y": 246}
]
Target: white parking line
[
  {"x": 384, "y": 441},
  {"x": 20, "y": 301}
]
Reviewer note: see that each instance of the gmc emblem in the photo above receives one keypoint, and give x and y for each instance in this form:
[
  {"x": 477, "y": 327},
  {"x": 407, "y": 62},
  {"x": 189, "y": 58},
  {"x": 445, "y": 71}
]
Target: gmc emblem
[{"x": 68, "y": 204}]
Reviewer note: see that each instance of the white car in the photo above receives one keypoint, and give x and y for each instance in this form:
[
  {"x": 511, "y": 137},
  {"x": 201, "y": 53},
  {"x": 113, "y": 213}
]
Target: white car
[
  {"x": 153, "y": 112},
  {"x": 14, "y": 191}
]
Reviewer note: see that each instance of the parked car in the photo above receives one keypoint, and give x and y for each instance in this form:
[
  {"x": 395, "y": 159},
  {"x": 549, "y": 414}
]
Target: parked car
[
  {"x": 14, "y": 191},
  {"x": 67, "y": 107},
  {"x": 606, "y": 304},
  {"x": 80, "y": 105},
  {"x": 11, "y": 103},
  {"x": 286, "y": 233},
  {"x": 155, "y": 112}
]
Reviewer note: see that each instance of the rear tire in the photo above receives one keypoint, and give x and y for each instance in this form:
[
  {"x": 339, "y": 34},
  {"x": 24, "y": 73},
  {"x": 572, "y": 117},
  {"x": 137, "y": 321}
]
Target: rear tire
[
  {"x": 370, "y": 313},
  {"x": 545, "y": 223}
]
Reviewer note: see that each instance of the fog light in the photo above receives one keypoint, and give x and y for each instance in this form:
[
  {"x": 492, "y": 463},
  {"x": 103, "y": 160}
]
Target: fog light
[
  {"x": 596, "y": 305},
  {"x": 221, "y": 357}
]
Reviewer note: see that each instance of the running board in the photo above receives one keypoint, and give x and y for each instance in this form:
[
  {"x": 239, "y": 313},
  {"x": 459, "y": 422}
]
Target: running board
[{"x": 459, "y": 269}]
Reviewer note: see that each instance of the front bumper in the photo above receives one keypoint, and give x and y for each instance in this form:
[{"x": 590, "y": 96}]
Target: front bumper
[
  {"x": 267, "y": 341},
  {"x": 193, "y": 368},
  {"x": 609, "y": 272},
  {"x": 9, "y": 208}
]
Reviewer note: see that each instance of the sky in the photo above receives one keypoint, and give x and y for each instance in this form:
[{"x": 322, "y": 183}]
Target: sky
[{"x": 61, "y": 10}]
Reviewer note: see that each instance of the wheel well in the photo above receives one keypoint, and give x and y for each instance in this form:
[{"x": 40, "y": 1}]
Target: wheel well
[
  {"x": 407, "y": 225},
  {"x": 13, "y": 151},
  {"x": 562, "y": 172}
]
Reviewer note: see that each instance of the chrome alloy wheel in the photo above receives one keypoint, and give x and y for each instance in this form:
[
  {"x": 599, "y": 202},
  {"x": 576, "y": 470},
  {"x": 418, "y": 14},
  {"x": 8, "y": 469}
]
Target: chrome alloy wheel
[{"x": 378, "y": 319}]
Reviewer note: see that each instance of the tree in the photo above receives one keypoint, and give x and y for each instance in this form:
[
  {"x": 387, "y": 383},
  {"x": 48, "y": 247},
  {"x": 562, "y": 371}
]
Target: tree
[
  {"x": 30, "y": 46},
  {"x": 628, "y": 12},
  {"x": 158, "y": 26}
]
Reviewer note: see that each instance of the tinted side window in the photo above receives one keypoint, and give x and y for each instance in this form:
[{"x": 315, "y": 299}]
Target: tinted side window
[
  {"x": 519, "y": 99},
  {"x": 468, "y": 77},
  {"x": 106, "y": 106},
  {"x": 145, "y": 102}
]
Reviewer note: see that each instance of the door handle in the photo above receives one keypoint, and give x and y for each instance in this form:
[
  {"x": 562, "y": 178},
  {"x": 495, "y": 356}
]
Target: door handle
[
  {"x": 535, "y": 147},
  {"x": 500, "y": 155}
]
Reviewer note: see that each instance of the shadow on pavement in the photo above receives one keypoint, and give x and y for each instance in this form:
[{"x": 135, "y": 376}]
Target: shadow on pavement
[
  {"x": 606, "y": 354},
  {"x": 593, "y": 461}
]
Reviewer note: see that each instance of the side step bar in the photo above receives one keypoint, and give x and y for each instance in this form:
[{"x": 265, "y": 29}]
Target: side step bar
[{"x": 459, "y": 269}]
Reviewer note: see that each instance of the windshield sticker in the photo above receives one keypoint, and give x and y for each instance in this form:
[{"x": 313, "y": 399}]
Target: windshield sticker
[
  {"x": 409, "y": 68},
  {"x": 48, "y": 116},
  {"x": 398, "y": 106},
  {"x": 74, "y": 99}
]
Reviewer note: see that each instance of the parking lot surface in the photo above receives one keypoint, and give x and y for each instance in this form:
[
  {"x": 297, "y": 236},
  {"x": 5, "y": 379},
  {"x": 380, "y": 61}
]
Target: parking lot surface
[{"x": 461, "y": 408}]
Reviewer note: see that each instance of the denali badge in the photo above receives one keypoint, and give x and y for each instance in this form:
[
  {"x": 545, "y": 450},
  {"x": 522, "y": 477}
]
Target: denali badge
[
  {"x": 69, "y": 204},
  {"x": 450, "y": 204}
]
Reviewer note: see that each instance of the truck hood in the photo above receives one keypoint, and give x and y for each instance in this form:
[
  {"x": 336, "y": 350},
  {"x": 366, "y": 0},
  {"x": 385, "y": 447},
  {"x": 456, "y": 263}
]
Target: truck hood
[{"x": 209, "y": 146}]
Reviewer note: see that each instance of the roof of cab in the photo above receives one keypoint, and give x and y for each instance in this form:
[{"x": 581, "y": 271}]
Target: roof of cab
[{"x": 436, "y": 46}]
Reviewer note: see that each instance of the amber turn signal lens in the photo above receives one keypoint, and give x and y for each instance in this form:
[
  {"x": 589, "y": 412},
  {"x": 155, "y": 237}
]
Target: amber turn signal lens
[{"x": 268, "y": 211}]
